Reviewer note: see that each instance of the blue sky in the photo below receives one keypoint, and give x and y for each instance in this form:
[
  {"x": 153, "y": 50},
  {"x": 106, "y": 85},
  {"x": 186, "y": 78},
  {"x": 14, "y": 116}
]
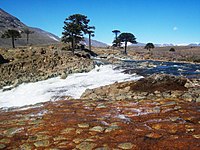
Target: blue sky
[{"x": 157, "y": 21}]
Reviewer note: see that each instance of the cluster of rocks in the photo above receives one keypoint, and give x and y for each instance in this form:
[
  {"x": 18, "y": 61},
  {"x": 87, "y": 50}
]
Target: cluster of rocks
[
  {"x": 102, "y": 125},
  {"x": 152, "y": 87},
  {"x": 40, "y": 63}
]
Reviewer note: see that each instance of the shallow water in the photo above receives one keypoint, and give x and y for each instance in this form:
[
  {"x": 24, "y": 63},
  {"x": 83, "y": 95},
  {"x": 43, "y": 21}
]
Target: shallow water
[{"x": 148, "y": 67}]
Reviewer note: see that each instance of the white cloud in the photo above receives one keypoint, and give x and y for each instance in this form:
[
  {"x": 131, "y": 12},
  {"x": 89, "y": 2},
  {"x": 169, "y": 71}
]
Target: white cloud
[{"x": 175, "y": 28}]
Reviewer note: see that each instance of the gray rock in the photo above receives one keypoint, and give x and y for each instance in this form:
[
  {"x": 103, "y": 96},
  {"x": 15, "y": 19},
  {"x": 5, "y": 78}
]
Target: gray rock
[
  {"x": 44, "y": 143},
  {"x": 86, "y": 146},
  {"x": 59, "y": 138},
  {"x": 26, "y": 146},
  {"x": 67, "y": 130},
  {"x": 187, "y": 96},
  {"x": 101, "y": 105},
  {"x": 198, "y": 99},
  {"x": 126, "y": 145},
  {"x": 103, "y": 148},
  {"x": 97, "y": 129},
  {"x": 83, "y": 125},
  {"x": 112, "y": 128},
  {"x": 5, "y": 140},
  {"x": 2, "y": 146}
]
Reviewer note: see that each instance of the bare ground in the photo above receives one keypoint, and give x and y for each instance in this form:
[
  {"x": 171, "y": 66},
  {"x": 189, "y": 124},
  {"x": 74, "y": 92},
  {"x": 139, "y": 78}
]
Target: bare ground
[{"x": 182, "y": 53}]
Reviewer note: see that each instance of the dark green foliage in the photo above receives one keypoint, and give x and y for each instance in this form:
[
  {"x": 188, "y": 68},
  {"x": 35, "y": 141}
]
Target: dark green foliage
[
  {"x": 127, "y": 37},
  {"x": 149, "y": 46},
  {"x": 13, "y": 34},
  {"x": 172, "y": 49},
  {"x": 75, "y": 26},
  {"x": 116, "y": 32},
  {"x": 27, "y": 32},
  {"x": 116, "y": 41}
]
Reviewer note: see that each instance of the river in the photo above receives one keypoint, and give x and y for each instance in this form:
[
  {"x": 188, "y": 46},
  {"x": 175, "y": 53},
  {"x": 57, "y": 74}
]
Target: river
[{"x": 75, "y": 84}]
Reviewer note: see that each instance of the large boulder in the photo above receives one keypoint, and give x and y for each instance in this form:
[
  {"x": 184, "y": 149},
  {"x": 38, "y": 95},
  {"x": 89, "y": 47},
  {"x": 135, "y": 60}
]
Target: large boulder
[
  {"x": 2, "y": 60},
  {"x": 160, "y": 82}
]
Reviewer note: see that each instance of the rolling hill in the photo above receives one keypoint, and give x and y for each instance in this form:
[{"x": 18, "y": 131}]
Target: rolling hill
[{"x": 7, "y": 21}]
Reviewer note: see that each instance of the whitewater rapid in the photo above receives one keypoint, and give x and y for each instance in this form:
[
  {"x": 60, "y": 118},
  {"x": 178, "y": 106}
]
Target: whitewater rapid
[{"x": 55, "y": 88}]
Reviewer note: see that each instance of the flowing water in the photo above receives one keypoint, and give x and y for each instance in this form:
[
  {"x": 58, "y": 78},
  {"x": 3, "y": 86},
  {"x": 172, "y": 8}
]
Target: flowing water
[
  {"x": 75, "y": 84},
  {"x": 148, "y": 67},
  {"x": 55, "y": 88}
]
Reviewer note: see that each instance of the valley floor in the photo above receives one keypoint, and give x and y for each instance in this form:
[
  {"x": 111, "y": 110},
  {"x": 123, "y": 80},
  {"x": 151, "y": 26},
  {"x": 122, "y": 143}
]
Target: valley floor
[
  {"x": 181, "y": 53},
  {"x": 157, "y": 112}
]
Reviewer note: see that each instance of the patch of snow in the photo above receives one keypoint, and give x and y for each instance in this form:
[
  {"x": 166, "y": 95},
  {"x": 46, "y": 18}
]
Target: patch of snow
[
  {"x": 182, "y": 44},
  {"x": 52, "y": 37}
]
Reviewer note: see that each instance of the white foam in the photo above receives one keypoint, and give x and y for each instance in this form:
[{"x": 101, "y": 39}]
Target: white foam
[{"x": 52, "y": 89}]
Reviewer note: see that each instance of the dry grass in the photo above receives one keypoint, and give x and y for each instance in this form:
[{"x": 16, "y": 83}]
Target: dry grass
[
  {"x": 188, "y": 54},
  {"x": 182, "y": 53}
]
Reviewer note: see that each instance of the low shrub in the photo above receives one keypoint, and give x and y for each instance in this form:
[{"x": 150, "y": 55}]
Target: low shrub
[{"x": 172, "y": 49}]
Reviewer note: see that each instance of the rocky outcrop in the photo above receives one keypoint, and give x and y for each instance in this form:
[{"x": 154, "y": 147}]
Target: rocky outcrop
[
  {"x": 159, "y": 82},
  {"x": 153, "y": 87},
  {"x": 39, "y": 63},
  {"x": 85, "y": 53}
]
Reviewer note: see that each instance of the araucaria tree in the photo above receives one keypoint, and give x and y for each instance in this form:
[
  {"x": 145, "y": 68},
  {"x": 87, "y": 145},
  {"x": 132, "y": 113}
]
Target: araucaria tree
[
  {"x": 149, "y": 46},
  {"x": 127, "y": 37},
  {"x": 13, "y": 34},
  {"x": 27, "y": 32},
  {"x": 90, "y": 32},
  {"x": 74, "y": 27},
  {"x": 116, "y": 32},
  {"x": 116, "y": 41}
]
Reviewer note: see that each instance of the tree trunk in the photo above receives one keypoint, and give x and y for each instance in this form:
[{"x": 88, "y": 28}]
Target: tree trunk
[
  {"x": 89, "y": 41},
  {"x": 125, "y": 47},
  {"x": 13, "y": 41},
  {"x": 73, "y": 44},
  {"x": 27, "y": 38}
]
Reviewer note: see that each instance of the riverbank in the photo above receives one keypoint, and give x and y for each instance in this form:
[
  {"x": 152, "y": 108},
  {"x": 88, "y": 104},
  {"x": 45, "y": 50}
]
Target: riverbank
[{"x": 32, "y": 64}]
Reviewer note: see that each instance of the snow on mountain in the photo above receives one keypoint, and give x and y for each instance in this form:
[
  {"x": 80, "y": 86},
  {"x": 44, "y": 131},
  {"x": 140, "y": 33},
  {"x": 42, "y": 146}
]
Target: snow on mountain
[{"x": 165, "y": 45}]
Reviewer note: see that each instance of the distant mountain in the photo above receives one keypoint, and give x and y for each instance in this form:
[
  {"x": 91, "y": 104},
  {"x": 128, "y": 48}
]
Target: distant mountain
[
  {"x": 39, "y": 36},
  {"x": 138, "y": 44},
  {"x": 164, "y": 45},
  {"x": 95, "y": 43},
  {"x": 194, "y": 44}
]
